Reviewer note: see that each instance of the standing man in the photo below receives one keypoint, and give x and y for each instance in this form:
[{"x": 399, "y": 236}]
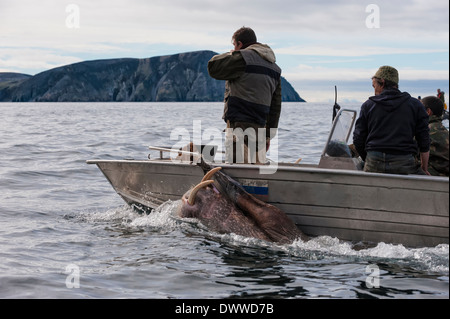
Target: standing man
[
  {"x": 387, "y": 125},
  {"x": 441, "y": 95},
  {"x": 439, "y": 147},
  {"x": 252, "y": 95}
]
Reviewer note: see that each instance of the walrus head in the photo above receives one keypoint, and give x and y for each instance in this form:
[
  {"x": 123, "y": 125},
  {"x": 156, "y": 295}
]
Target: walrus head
[
  {"x": 194, "y": 200},
  {"x": 228, "y": 208}
]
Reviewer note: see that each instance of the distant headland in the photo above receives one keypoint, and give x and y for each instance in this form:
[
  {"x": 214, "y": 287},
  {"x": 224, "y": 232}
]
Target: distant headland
[{"x": 173, "y": 78}]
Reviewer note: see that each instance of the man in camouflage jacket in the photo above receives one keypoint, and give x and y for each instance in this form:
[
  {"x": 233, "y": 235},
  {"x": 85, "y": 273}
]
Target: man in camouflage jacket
[{"x": 439, "y": 148}]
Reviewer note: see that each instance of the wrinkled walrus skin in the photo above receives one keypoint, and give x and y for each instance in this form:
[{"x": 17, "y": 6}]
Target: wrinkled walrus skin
[{"x": 233, "y": 210}]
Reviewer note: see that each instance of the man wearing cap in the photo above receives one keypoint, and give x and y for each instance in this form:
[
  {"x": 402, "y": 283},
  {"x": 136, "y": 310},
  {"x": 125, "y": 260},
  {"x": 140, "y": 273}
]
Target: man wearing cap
[
  {"x": 386, "y": 128},
  {"x": 439, "y": 148}
]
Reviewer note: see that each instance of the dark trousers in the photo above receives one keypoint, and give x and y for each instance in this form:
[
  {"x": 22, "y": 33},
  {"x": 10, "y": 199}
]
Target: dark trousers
[{"x": 378, "y": 162}]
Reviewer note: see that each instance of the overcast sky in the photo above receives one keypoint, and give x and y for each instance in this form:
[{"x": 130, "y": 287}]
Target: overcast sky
[{"x": 318, "y": 44}]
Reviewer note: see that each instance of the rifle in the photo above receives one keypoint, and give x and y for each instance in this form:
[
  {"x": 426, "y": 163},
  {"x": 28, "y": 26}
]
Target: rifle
[{"x": 336, "y": 107}]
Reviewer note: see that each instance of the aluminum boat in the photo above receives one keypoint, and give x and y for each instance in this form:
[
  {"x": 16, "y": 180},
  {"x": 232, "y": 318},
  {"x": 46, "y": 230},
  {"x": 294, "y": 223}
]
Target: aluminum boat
[{"x": 333, "y": 198}]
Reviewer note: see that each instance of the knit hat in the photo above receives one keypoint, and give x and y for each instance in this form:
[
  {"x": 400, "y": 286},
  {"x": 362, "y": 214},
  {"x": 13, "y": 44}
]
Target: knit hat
[{"x": 387, "y": 73}]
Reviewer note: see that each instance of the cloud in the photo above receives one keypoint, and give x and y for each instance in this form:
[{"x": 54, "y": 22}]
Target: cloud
[
  {"x": 198, "y": 21},
  {"x": 321, "y": 73},
  {"x": 320, "y": 40},
  {"x": 32, "y": 60},
  {"x": 354, "y": 51}
]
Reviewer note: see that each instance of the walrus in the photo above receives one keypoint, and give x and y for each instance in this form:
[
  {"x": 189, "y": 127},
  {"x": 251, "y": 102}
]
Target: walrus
[{"x": 224, "y": 206}]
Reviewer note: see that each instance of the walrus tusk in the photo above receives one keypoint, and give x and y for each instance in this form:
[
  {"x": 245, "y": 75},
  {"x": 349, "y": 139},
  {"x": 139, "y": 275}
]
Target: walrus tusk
[
  {"x": 210, "y": 173},
  {"x": 191, "y": 199}
]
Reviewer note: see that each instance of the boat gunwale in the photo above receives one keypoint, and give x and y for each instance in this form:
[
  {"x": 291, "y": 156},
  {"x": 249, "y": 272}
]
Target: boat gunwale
[{"x": 287, "y": 167}]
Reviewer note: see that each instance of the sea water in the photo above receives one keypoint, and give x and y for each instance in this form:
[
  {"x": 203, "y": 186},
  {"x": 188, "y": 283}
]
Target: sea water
[{"x": 65, "y": 233}]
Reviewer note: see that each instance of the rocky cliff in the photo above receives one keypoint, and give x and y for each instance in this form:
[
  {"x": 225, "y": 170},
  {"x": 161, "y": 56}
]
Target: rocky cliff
[{"x": 176, "y": 78}]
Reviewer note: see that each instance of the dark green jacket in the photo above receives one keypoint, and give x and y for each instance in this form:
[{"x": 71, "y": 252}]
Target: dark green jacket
[{"x": 439, "y": 148}]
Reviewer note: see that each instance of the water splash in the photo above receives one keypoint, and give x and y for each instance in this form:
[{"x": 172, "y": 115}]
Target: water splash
[
  {"x": 123, "y": 214},
  {"x": 164, "y": 219},
  {"x": 433, "y": 259},
  {"x": 161, "y": 217}
]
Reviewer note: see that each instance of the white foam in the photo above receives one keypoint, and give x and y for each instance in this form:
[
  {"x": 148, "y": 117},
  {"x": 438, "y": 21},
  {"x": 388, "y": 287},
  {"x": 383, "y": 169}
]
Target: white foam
[
  {"x": 164, "y": 217},
  {"x": 435, "y": 259},
  {"x": 123, "y": 213},
  {"x": 161, "y": 217}
]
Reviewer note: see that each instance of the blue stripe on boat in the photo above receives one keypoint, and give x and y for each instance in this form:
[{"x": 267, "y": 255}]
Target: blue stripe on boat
[{"x": 255, "y": 190}]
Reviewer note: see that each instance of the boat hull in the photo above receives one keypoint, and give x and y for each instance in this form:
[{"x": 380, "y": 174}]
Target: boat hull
[{"x": 347, "y": 204}]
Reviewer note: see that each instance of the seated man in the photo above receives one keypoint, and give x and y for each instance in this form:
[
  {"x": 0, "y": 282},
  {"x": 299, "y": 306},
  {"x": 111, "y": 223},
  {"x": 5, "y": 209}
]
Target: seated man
[{"x": 439, "y": 149}]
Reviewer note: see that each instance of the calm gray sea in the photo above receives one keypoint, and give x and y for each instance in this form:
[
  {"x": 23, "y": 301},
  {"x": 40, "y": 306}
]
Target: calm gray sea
[{"x": 65, "y": 233}]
